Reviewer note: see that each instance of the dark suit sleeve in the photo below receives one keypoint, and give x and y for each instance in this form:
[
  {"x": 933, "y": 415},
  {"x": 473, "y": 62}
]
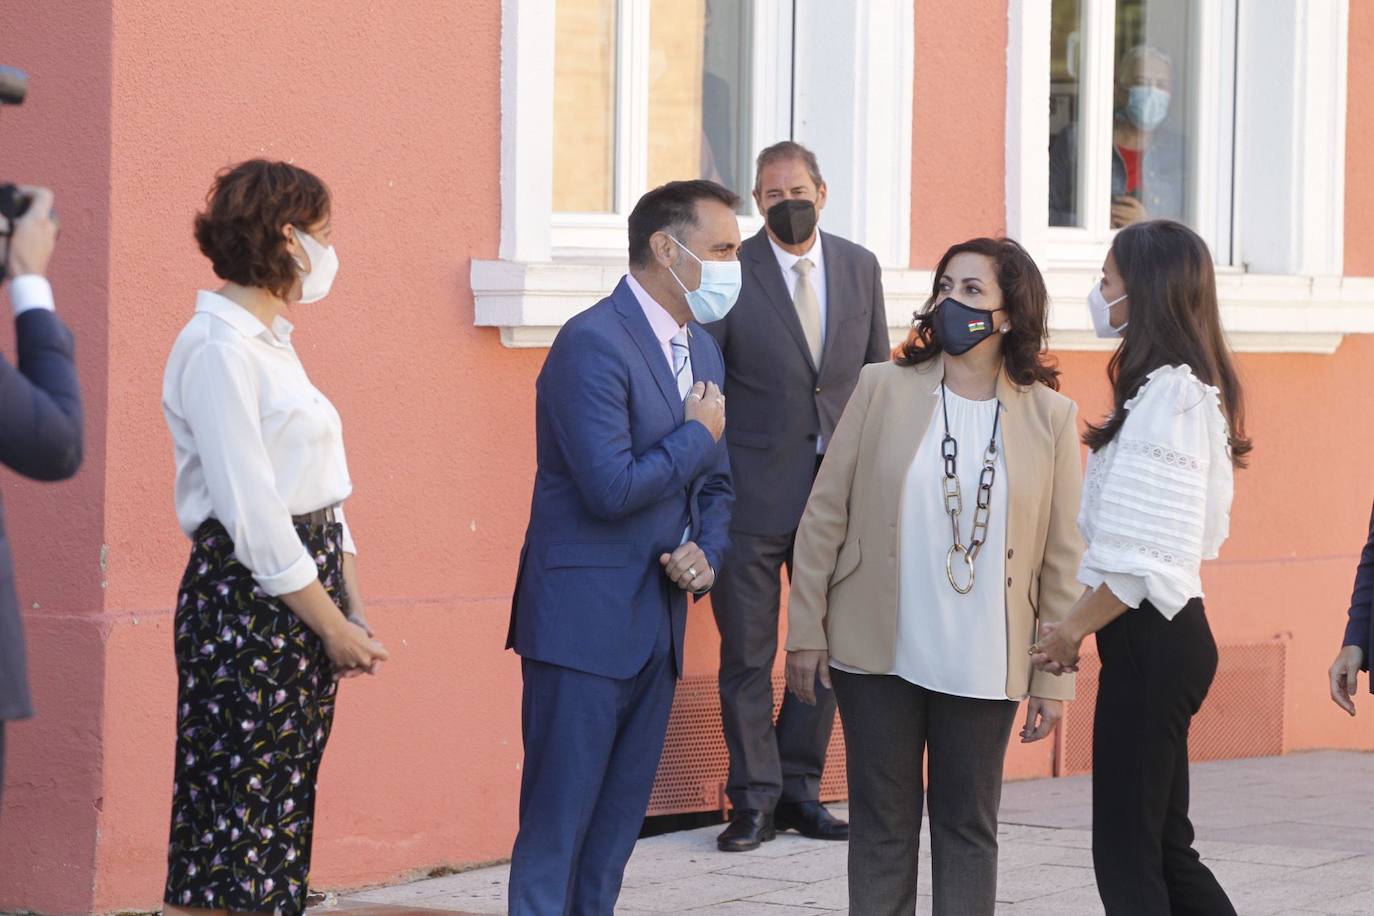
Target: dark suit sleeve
[
  {"x": 879, "y": 344},
  {"x": 720, "y": 330},
  {"x": 717, "y": 499},
  {"x": 585, "y": 388},
  {"x": 1357, "y": 631},
  {"x": 40, "y": 401}
]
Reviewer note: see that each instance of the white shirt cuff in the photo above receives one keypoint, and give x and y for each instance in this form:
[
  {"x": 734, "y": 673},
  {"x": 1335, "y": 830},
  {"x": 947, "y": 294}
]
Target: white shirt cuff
[
  {"x": 29, "y": 292},
  {"x": 294, "y": 578}
]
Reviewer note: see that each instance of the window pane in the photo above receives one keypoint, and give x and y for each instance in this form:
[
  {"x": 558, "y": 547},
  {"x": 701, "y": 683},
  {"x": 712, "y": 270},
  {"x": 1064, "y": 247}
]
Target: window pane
[
  {"x": 1150, "y": 118},
  {"x": 584, "y": 128},
  {"x": 699, "y": 92},
  {"x": 1066, "y": 101}
]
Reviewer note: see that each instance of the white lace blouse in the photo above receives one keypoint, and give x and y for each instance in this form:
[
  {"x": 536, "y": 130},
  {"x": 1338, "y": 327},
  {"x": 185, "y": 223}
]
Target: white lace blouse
[{"x": 1157, "y": 499}]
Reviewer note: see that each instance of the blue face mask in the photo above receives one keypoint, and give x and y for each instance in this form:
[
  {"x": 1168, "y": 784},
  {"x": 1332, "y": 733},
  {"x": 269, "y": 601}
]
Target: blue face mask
[
  {"x": 1147, "y": 106},
  {"x": 718, "y": 290}
]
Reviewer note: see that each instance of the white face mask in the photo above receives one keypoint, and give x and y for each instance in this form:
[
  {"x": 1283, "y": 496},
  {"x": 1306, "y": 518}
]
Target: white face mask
[
  {"x": 1101, "y": 311},
  {"x": 324, "y": 265}
]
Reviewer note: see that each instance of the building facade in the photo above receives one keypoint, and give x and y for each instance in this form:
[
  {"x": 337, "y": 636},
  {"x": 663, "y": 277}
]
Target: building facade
[{"x": 483, "y": 155}]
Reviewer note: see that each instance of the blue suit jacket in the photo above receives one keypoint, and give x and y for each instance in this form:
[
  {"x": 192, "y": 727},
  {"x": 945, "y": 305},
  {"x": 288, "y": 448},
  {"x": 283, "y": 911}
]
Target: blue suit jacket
[
  {"x": 40, "y": 437},
  {"x": 1360, "y": 630},
  {"x": 620, "y": 475}
]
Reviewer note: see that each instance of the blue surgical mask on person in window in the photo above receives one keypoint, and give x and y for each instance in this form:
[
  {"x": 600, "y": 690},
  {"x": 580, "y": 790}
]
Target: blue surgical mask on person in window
[
  {"x": 719, "y": 288},
  {"x": 1147, "y": 106}
]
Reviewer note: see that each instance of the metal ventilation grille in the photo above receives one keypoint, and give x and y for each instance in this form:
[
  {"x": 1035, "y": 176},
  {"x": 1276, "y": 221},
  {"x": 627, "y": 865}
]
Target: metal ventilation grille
[
  {"x": 1241, "y": 717},
  {"x": 692, "y": 772}
]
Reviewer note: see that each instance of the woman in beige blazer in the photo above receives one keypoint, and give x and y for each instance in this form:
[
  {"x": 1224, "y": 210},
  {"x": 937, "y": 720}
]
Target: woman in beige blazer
[{"x": 940, "y": 530}]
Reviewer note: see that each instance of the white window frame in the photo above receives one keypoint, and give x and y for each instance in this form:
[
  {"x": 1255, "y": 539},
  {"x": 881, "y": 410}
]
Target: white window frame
[
  {"x": 1211, "y": 103},
  {"x": 1285, "y": 291},
  {"x": 851, "y": 102},
  {"x": 583, "y": 235}
]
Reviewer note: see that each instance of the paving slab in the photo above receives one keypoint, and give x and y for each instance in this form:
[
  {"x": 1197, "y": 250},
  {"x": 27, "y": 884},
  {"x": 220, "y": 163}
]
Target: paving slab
[{"x": 1285, "y": 836}]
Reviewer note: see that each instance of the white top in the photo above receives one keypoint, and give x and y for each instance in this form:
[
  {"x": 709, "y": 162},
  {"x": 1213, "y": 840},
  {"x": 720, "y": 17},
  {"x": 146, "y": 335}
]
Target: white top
[
  {"x": 255, "y": 442},
  {"x": 947, "y": 642},
  {"x": 1157, "y": 498},
  {"x": 31, "y": 291}
]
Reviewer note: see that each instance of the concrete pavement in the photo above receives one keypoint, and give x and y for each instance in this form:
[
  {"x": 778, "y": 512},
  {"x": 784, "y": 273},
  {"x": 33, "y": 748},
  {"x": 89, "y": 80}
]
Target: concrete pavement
[{"x": 1284, "y": 835}]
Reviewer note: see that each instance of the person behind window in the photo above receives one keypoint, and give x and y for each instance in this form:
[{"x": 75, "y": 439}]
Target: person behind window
[
  {"x": 923, "y": 626},
  {"x": 1147, "y": 157},
  {"x": 1156, "y": 503},
  {"x": 270, "y": 612},
  {"x": 1359, "y": 633}
]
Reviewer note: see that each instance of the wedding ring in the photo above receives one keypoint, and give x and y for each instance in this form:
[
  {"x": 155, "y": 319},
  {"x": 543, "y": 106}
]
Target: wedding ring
[{"x": 692, "y": 571}]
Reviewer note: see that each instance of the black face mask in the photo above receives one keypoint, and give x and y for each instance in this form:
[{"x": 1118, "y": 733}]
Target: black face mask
[
  {"x": 960, "y": 328},
  {"x": 792, "y": 220}
]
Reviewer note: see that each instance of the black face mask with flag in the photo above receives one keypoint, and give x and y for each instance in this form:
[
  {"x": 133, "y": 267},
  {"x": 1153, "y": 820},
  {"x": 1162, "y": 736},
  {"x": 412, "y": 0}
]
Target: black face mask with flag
[{"x": 960, "y": 328}]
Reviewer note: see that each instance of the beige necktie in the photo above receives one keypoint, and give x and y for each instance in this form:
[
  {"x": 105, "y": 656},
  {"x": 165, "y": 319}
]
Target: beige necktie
[{"x": 808, "y": 308}]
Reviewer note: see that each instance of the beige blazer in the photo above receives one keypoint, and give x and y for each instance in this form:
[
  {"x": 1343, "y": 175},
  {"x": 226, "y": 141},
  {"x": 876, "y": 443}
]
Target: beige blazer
[{"x": 844, "y": 579}]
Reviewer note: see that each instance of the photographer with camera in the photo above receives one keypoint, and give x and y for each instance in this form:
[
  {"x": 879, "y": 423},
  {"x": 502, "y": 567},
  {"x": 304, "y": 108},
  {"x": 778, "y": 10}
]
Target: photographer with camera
[{"x": 40, "y": 400}]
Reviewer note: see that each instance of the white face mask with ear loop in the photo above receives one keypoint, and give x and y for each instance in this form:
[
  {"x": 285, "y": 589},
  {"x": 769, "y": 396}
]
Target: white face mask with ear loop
[
  {"x": 1101, "y": 311},
  {"x": 318, "y": 279}
]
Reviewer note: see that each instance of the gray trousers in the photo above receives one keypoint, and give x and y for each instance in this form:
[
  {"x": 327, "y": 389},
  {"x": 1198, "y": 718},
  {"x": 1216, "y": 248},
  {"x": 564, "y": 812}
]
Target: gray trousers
[
  {"x": 889, "y": 725},
  {"x": 767, "y": 762}
]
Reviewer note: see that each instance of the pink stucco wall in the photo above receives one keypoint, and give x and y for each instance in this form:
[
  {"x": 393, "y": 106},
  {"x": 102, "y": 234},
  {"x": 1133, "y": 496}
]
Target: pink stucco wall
[{"x": 135, "y": 106}]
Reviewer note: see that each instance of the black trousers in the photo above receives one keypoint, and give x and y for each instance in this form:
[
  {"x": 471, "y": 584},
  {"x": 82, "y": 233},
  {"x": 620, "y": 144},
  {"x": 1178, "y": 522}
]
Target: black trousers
[
  {"x": 1155, "y": 674},
  {"x": 890, "y": 725}
]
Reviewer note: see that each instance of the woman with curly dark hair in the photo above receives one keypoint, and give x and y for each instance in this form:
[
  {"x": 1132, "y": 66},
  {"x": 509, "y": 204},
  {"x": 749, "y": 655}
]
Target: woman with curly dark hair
[
  {"x": 1156, "y": 503},
  {"x": 269, "y": 614},
  {"x": 940, "y": 528}
]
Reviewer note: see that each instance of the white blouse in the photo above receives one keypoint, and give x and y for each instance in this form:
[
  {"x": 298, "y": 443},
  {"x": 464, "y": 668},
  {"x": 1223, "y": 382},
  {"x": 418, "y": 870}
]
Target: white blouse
[
  {"x": 1157, "y": 499},
  {"x": 255, "y": 442},
  {"x": 947, "y": 642}
]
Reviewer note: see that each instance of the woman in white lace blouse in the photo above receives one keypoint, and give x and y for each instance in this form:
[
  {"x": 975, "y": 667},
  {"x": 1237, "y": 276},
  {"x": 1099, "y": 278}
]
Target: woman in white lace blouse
[{"x": 1156, "y": 503}]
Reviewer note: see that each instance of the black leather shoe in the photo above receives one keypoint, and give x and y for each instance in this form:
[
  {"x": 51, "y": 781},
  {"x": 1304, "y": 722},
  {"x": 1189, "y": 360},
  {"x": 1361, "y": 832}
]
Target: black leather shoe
[
  {"x": 810, "y": 819},
  {"x": 748, "y": 830}
]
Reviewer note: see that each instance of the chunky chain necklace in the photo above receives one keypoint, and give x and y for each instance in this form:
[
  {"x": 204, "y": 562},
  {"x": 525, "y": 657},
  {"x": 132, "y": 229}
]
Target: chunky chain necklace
[{"x": 954, "y": 498}]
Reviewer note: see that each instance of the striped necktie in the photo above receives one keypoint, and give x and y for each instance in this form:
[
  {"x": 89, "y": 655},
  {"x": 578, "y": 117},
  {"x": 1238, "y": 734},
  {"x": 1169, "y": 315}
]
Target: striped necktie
[{"x": 682, "y": 363}]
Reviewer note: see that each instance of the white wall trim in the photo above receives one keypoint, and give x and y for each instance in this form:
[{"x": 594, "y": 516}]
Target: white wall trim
[
  {"x": 529, "y": 302},
  {"x": 853, "y": 108},
  {"x": 526, "y": 128}
]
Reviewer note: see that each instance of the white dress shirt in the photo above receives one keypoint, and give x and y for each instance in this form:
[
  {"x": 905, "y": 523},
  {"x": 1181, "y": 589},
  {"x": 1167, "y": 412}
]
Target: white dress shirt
[
  {"x": 664, "y": 325},
  {"x": 816, "y": 255},
  {"x": 1157, "y": 498},
  {"x": 947, "y": 642},
  {"x": 255, "y": 442},
  {"x": 787, "y": 260},
  {"x": 31, "y": 291}
]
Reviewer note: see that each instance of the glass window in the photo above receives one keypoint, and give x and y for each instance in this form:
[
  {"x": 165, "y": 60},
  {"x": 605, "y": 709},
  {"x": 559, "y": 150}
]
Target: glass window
[
  {"x": 1150, "y": 116},
  {"x": 699, "y": 92},
  {"x": 1066, "y": 104},
  {"x": 584, "y": 106}
]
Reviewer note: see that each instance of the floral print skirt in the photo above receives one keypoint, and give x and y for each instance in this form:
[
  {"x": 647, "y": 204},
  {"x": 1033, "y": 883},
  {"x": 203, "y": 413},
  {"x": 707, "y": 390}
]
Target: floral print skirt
[{"x": 255, "y": 702}]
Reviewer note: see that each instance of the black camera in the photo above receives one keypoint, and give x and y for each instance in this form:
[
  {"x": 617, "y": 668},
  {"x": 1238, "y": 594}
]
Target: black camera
[{"x": 14, "y": 85}]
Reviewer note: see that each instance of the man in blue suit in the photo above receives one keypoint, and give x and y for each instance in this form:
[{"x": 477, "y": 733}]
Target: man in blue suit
[
  {"x": 40, "y": 414},
  {"x": 631, "y": 514}
]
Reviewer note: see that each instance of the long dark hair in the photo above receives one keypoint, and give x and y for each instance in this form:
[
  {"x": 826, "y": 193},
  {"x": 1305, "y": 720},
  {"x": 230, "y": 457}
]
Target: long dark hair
[
  {"x": 1174, "y": 321},
  {"x": 1023, "y": 297}
]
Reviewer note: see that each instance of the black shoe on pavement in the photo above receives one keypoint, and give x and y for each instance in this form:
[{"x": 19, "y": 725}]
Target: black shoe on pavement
[
  {"x": 810, "y": 819},
  {"x": 748, "y": 830}
]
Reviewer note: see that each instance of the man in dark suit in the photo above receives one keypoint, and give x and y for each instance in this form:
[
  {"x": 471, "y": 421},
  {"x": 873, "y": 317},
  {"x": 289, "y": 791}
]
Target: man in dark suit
[
  {"x": 1359, "y": 633},
  {"x": 810, "y": 315},
  {"x": 40, "y": 415},
  {"x": 630, "y": 515}
]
